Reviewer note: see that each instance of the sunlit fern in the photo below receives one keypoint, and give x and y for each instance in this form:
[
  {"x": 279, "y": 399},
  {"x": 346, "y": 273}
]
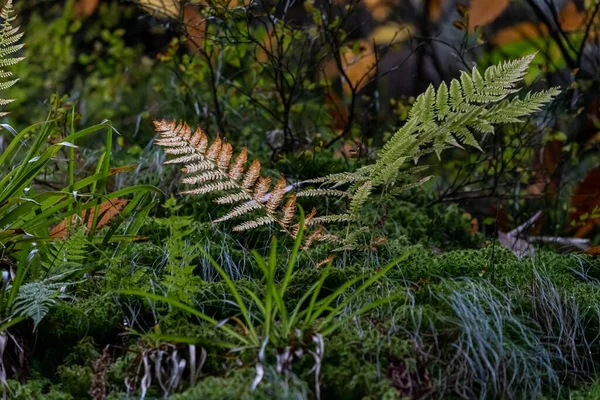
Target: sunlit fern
[
  {"x": 211, "y": 169},
  {"x": 449, "y": 116},
  {"x": 9, "y": 37}
]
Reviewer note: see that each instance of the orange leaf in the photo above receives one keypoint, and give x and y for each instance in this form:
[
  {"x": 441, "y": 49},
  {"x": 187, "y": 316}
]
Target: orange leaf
[
  {"x": 380, "y": 9},
  {"x": 593, "y": 251},
  {"x": 107, "y": 211},
  {"x": 118, "y": 170},
  {"x": 85, "y": 8},
  {"x": 570, "y": 18},
  {"x": 359, "y": 68},
  {"x": 435, "y": 10},
  {"x": 482, "y": 12},
  {"x": 195, "y": 27},
  {"x": 517, "y": 32}
]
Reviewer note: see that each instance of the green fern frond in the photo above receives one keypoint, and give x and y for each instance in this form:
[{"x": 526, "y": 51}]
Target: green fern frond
[
  {"x": 472, "y": 105},
  {"x": 9, "y": 36},
  {"x": 34, "y": 299},
  {"x": 322, "y": 192},
  {"x": 68, "y": 254}
]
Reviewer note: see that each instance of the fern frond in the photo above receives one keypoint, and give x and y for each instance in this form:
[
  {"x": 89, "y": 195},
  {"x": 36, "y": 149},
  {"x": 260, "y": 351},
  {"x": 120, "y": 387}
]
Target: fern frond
[
  {"x": 34, "y": 300},
  {"x": 67, "y": 254},
  {"x": 360, "y": 197},
  {"x": 276, "y": 195},
  {"x": 239, "y": 210},
  {"x": 333, "y": 218},
  {"x": 233, "y": 198},
  {"x": 211, "y": 167},
  {"x": 253, "y": 224},
  {"x": 261, "y": 188},
  {"x": 9, "y": 36},
  {"x": 322, "y": 192},
  {"x": 289, "y": 210},
  {"x": 472, "y": 105},
  {"x": 237, "y": 168}
]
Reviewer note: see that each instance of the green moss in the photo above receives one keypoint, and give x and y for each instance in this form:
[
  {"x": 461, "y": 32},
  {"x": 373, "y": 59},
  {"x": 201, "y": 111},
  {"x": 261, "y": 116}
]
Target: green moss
[
  {"x": 237, "y": 384},
  {"x": 35, "y": 390},
  {"x": 75, "y": 380}
]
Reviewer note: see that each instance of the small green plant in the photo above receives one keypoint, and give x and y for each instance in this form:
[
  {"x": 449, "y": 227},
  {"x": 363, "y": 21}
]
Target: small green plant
[{"x": 273, "y": 324}]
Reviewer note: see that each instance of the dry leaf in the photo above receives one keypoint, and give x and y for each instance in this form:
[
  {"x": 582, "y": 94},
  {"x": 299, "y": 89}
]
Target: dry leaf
[
  {"x": 474, "y": 226},
  {"x": 570, "y": 18},
  {"x": 390, "y": 33},
  {"x": 161, "y": 8},
  {"x": 380, "y": 9},
  {"x": 435, "y": 10},
  {"x": 195, "y": 27},
  {"x": 118, "y": 170},
  {"x": 359, "y": 67},
  {"x": 85, "y": 8},
  {"x": 482, "y": 12},
  {"x": 107, "y": 211},
  {"x": 593, "y": 251},
  {"x": 517, "y": 32}
]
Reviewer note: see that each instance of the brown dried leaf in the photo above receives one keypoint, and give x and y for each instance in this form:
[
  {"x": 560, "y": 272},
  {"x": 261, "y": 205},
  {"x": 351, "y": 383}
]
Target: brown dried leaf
[
  {"x": 519, "y": 31},
  {"x": 482, "y": 12},
  {"x": 277, "y": 195},
  {"x": 107, "y": 211},
  {"x": 570, "y": 18}
]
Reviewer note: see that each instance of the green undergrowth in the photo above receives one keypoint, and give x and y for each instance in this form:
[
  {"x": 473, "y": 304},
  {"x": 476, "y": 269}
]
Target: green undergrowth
[{"x": 455, "y": 315}]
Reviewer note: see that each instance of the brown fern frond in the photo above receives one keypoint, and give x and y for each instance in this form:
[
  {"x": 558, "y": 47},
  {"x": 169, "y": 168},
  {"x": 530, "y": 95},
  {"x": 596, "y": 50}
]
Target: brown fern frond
[
  {"x": 211, "y": 167},
  {"x": 202, "y": 165},
  {"x": 237, "y": 168},
  {"x": 276, "y": 195},
  {"x": 199, "y": 141},
  {"x": 253, "y": 224},
  {"x": 211, "y": 187},
  {"x": 261, "y": 188},
  {"x": 225, "y": 156},
  {"x": 184, "y": 159},
  {"x": 310, "y": 216},
  {"x": 307, "y": 222},
  {"x": 239, "y": 210},
  {"x": 203, "y": 177},
  {"x": 214, "y": 149},
  {"x": 289, "y": 210},
  {"x": 251, "y": 175},
  {"x": 233, "y": 198}
]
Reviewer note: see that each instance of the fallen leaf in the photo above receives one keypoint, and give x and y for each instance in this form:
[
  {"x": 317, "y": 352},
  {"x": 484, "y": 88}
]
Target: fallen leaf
[
  {"x": 570, "y": 18},
  {"x": 593, "y": 251},
  {"x": 435, "y": 10},
  {"x": 482, "y": 12},
  {"x": 390, "y": 33},
  {"x": 107, "y": 211},
  {"x": 161, "y": 8},
  {"x": 380, "y": 9},
  {"x": 518, "y": 32},
  {"x": 85, "y": 8},
  {"x": 359, "y": 66},
  {"x": 195, "y": 27}
]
